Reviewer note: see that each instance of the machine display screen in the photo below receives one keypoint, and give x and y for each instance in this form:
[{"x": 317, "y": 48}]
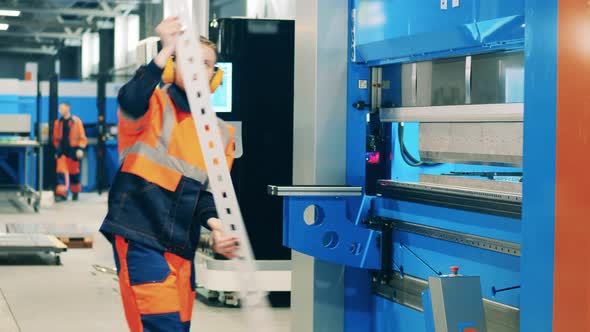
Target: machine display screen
[{"x": 222, "y": 98}]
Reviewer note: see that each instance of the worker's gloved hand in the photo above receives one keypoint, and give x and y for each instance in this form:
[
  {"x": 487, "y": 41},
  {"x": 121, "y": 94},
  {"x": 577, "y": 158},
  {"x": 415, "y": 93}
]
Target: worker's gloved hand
[
  {"x": 79, "y": 154},
  {"x": 223, "y": 244}
]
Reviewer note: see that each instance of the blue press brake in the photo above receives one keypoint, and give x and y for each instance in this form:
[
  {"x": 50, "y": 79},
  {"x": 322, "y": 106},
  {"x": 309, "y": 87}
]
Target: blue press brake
[{"x": 406, "y": 211}]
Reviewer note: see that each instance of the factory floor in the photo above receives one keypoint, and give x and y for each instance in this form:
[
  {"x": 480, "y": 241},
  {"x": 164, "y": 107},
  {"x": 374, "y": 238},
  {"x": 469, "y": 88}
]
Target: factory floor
[{"x": 38, "y": 297}]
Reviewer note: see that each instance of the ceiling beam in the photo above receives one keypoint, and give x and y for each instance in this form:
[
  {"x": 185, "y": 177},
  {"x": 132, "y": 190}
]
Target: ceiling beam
[
  {"x": 29, "y": 50},
  {"x": 71, "y": 11},
  {"x": 105, "y": 6},
  {"x": 46, "y": 23},
  {"x": 51, "y": 35}
]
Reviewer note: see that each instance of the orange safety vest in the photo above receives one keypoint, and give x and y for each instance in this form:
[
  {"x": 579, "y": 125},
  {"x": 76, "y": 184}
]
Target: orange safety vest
[
  {"x": 77, "y": 137},
  {"x": 162, "y": 146}
]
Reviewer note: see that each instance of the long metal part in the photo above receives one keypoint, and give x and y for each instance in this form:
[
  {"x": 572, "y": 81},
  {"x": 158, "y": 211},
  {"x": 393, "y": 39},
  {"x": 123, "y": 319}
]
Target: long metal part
[
  {"x": 54, "y": 35},
  {"x": 492, "y": 186},
  {"x": 29, "y": 50},
  {"x": 407, "y": 291},
  {"x": 504, "y": 247},
  {"x": 479, "y": 143},
  {"x": 490, "y": 194},
  {"x": 47, "y": 23},
  {"x": 513, "y": 112},
  {"x": 71, "y": 11},
  {"x": 508, "y": 204},
  {"x": 314, "y": 191}
]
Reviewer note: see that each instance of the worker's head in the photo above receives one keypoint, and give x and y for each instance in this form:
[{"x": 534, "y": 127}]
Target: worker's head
[
  {"x": 209, "y": 50},
  {"x": 64, "y": 110}
]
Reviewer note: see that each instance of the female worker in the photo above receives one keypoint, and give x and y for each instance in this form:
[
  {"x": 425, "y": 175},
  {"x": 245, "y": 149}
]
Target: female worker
[{"x": 159, "y": 199}]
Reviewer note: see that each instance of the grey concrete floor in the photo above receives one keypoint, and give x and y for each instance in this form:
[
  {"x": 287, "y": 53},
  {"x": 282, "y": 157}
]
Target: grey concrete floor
[{"x": 74, "y": 296}]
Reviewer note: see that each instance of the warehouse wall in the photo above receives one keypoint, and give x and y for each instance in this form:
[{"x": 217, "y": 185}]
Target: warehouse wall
[
  {"x": 227, "y": 8},
  {"x": 12, "y": 65}
]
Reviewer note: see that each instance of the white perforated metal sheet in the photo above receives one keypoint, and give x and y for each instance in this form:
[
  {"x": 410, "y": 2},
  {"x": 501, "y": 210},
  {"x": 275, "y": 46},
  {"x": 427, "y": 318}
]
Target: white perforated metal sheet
[{"x": 190, "y": 58}]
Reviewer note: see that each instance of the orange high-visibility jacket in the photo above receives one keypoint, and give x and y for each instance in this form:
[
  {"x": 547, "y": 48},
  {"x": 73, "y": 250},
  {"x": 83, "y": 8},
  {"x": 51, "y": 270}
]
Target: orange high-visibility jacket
[
  {"x": 162, "y": 146},
  {"x": 77, "y": 137}
]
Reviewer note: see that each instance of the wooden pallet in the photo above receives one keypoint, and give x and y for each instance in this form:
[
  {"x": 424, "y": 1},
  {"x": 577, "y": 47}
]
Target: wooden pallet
[{"x": 77, "y": 242}]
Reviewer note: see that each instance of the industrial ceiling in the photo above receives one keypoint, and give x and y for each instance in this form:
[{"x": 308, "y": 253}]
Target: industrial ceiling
[{"x": 42, "y": 26}]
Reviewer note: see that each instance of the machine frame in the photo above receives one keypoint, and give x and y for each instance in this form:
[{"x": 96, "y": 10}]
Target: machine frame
[{"x": 345, "y": 231}]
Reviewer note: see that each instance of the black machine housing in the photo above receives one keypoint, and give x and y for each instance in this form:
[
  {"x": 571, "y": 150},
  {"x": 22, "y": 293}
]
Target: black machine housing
[{"x": 262, "y": 57}]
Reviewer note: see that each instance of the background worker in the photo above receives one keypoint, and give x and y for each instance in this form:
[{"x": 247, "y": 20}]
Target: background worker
[
  {"x": 69, "y": 139},
  {"x": 159, "y": 199}
]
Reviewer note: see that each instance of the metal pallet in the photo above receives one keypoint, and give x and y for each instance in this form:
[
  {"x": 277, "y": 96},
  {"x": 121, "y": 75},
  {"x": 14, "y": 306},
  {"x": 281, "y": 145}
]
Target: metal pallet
[
  {"x": 72, "y": 235},
  {"x": 31, "y": 244}
]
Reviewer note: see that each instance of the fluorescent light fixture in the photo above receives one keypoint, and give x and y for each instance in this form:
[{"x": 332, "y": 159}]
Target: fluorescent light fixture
[
  {"x": 4, "y": 12},
  {"x": 4, "y": 26}
]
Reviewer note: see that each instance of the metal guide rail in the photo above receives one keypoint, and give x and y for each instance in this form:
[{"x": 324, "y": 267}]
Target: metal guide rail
[
  {"x": 456, "y": 113},
  {"x": 505, "y": 204},
  {"x": 190, "y": 58},
  {"x": 336, "y": 191},
  {"x": 504, "y": 247}
]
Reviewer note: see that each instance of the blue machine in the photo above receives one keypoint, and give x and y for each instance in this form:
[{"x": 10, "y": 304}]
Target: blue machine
[{"x": 434, "y": 165}]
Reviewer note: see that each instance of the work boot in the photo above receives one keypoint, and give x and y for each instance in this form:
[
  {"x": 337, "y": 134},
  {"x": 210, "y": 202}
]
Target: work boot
[
  {"x": 74, "y": 196},
  {"x": 60, "y": 198}
]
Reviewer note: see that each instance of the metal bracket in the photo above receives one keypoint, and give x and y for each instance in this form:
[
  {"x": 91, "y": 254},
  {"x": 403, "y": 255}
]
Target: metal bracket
[
  {"x": 361, "y": 105},
  {"x": 376, "y": 88},
  {"x": 385, "y": 243},
  {"x": 467, "y": 78}
]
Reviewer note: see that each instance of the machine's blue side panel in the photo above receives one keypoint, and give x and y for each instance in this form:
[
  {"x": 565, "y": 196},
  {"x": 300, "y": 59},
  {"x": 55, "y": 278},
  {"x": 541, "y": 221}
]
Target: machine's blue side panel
[
  {"x": 356, "y": 126},
  {"x": 28, "y": 105},
  {"x": 393, "y": 31},
  {"x": 495, "y": 269},
  {"x": 539, "y": 166},
  {"x": 387, "y": 33},
  {"x": 357, "y": 301},
  {"x": 391, "y": 317},
  {"x": 486, "y": 225},
  {"x": 9, "y": 104},
  {"x": 334, "y": 237}
]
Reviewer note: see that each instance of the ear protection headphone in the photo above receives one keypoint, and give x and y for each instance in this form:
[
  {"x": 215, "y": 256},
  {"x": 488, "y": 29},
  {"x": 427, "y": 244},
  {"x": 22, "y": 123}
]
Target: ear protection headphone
[{"x": 168, "y": 75}]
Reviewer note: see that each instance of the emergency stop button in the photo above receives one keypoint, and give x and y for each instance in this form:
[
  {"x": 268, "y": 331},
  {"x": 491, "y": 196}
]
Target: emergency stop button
[{"x": 455, "y": 271}]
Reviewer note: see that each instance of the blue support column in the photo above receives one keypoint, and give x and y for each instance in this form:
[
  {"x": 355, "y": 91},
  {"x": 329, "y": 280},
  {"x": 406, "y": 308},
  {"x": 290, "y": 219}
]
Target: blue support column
[{"x": 539, "y": 165}]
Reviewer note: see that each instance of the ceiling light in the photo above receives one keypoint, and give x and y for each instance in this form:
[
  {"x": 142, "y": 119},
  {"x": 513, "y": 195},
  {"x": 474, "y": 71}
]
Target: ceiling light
[
  {"x": 9, "y": 12},
  {"x": 4, "y": 26}
]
